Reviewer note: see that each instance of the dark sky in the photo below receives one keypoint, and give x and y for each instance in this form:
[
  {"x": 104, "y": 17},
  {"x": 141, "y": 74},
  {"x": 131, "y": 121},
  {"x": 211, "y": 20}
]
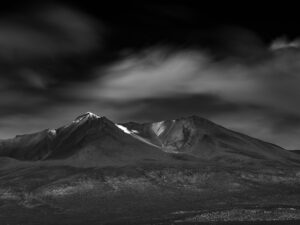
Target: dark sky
[{"x": 237, "y": 65}]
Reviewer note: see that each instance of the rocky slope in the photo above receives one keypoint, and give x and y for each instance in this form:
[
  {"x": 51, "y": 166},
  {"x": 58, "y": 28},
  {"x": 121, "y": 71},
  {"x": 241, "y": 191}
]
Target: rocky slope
[
  {"x": 204, "y": 139},
  {"x": 93, "y": 138},
  {"x": 89, "y": 138},
  {"x": 182, "y": 171}
]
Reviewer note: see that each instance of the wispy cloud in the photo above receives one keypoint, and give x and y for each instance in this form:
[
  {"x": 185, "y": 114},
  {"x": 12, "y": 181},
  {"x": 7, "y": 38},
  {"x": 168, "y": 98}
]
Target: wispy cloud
[
  {"x": 50, "y": 74},
  {"x": 270, "y": 84},
  {"x": 272, "y": 81},
  {"x": 46, "y": 32},
  {"x": 283, "y": 42}
]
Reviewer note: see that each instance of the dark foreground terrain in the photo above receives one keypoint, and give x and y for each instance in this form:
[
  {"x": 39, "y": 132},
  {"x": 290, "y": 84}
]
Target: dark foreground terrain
[
  {"x": 185, "y": 171},
  {"x": 148, "y": 194}
]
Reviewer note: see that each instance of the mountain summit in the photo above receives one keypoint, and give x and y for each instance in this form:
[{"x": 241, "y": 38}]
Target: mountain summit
[
  {"x": 88, "y": 138},
  {"x": 86, "y": 116},
  {"x": 94, "y": 138}
]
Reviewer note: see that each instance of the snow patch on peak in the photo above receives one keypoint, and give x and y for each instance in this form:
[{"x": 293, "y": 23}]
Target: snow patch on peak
[
  {"x": 86, "y": 115},
  {"x": 92, "y": 114},
  {"x": 124, "y": 129},
  {"x": 134, "y": 134}
]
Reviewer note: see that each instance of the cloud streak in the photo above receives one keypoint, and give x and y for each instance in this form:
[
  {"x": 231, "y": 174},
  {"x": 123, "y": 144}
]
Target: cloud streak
[
  {"x": 53, "y": 67},
  {"x": 46, "y": 32},
  {"x": 270, "y": 85}
]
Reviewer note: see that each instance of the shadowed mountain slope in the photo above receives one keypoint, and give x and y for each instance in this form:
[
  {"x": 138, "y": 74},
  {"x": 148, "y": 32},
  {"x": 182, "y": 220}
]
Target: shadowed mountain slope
[
  {"x": 92, "y": 138},
  {"x": 204, "y": 139},
  {"x": 94, "y": 171},
  {"x": 88, "y": 138}
]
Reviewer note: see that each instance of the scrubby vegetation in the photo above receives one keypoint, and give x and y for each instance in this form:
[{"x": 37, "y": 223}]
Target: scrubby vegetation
[{"x": 149, "y": 192}]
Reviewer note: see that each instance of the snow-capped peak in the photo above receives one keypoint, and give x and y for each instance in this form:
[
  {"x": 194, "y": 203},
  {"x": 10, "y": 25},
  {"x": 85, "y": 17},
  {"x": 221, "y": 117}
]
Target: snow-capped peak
[
  {"x": 90, "y": 114},
  {"x": 87, "y": 115}
]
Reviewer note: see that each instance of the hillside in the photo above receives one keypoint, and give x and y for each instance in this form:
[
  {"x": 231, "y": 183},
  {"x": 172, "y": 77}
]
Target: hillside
[
  {"x": 182, "y": 171},
  {"x": 87, "y": 139},
  {"x": 91, "y": 138}
]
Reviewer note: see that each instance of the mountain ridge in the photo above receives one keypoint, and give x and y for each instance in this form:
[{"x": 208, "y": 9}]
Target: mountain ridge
[{"x": 91, "y": 137}]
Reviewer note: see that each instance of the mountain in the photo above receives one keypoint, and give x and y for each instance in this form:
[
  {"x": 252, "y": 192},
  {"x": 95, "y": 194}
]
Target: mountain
[
  {"x": 89, "y": 138},
  {"x": 182, "y": 171},
  {"x": 92, "y": 138},
  {"x": 202, "y": 138}
]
